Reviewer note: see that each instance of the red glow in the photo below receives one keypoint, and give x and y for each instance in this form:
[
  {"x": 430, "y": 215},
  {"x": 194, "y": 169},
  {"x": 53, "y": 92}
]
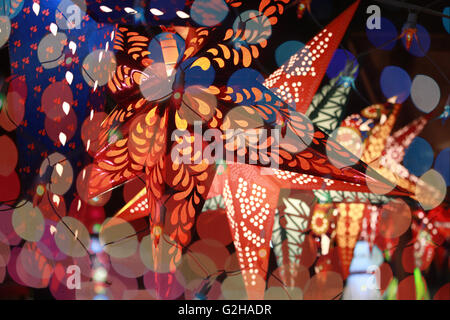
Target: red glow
[
  {"x": 303, "y": 5},
  {"x": 409, "y": 34}
]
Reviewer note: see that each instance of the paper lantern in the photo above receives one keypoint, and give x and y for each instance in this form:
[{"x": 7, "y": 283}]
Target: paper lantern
[
  {"x": 402, "y": 138},
  {"x": 250, "y": 222},
  {"x": 321, "y": 218},
  {"x": 297, "y": 80},
  {"x": 347, "y": 232},
  {"x": 292, "y": 223},
  {"x": 328, "y": 105},
  {"x": 375, "y": 143},
  {"x": 369, "y": 225}
]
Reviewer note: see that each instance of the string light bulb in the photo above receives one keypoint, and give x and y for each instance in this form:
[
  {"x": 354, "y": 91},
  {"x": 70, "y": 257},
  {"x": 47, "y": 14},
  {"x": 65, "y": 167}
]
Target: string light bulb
[
  {"x": 302, "y": 6},
  {"x": 410, "y": 30}
]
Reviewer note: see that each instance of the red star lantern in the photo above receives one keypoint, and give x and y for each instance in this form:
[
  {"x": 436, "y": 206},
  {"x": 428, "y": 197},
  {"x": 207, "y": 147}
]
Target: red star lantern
[{"x": 297, "y": 81}]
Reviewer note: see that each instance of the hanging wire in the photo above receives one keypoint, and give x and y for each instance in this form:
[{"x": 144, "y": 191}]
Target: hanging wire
[
  {"x": 65, "y": 224},
  {"x": 438, "y": 69},
  {"x": 410, "y": 6}
]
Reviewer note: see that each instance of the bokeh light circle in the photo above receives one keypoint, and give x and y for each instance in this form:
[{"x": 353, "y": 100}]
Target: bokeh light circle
[
  {"x": 299, "y": 133},
  {"x": 325, "y": 285},
  {"x": 197, "y": 105},
  {"x": 12, "y": 110},
  {"x": 441, "y": 165},
  {"x": 83, "y": 180},
  {"x": 158, "y": 55},
  {"x": 446, "y": 21},
  {"x": 200, "y": 264},
  {"x": 168, "y": 8},
  {"x": 419, "y": 48},
  {"x": 53, "y": 98},
  {"x": 26, "y": 263},
  {"x": 28, "y": 222},
  {"x": 5, "y": 30},
  {"x": 100, "y": 200},
  {"x": 214, "y": 218},
  {"x": 209, "y": 13},
  {"x": 129, "y": 267},
  {"x": 395, "y": 82},
  {"x": 131, "y": 189},
  {"x": 169, "y": 286},
  {"x": 98, "y": 67},
  {"x": 233, "y": 288},
  {"x": 58, "y": 169},
  {"x": 243, "y": 78},
  {"x": 62, "y": 130},
  {"x": 8, "y": 160},
  {"x": 89, "y": 132},
  {"x": 242, "y": 118},
  {"x": 9, "y": 237},
  {"x": 351, "y": 140},
  {"x": 156, "y": 84},
  {"x": 147, "y": 248},
  {"x": 290, "y": 275},
  {"x": 191, "y": 274},
  {"x": 287, "y": 49},
  {"x": 12, "y": 8},
  {"x": 340, "y": 60},
  {"x": 72, "y": 237},
  {"x": 9, "y": 187},
  {"x": 51, "y": 205},
  {"x": 119, "y": 286},
  {"x": 35, "y": 262},
  {"x": 444, "y": 292},
  {"x": 5, "y": 250},
  {"x": 406, "y": 289},
  {"x": 395, "y": 219},
  {"x": 47, "y": 244},
  {"x": 425, "y": 93},
  {"x": 253, "y": 27},
  {"x": 431, "y": 189},
  {"x": 50, "y": 50},
  {"x": 418, "y": 157},
  {"x": 287, "y": 293},
  {"x": 384, "y": 38},
  {"x": 118, "y": 238},
  {"x": 207, "y": 256},
  {"x": 12, "y": 265},
  {"x": 373, "y": 181},
  {"x": 69, "y": 14}
]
